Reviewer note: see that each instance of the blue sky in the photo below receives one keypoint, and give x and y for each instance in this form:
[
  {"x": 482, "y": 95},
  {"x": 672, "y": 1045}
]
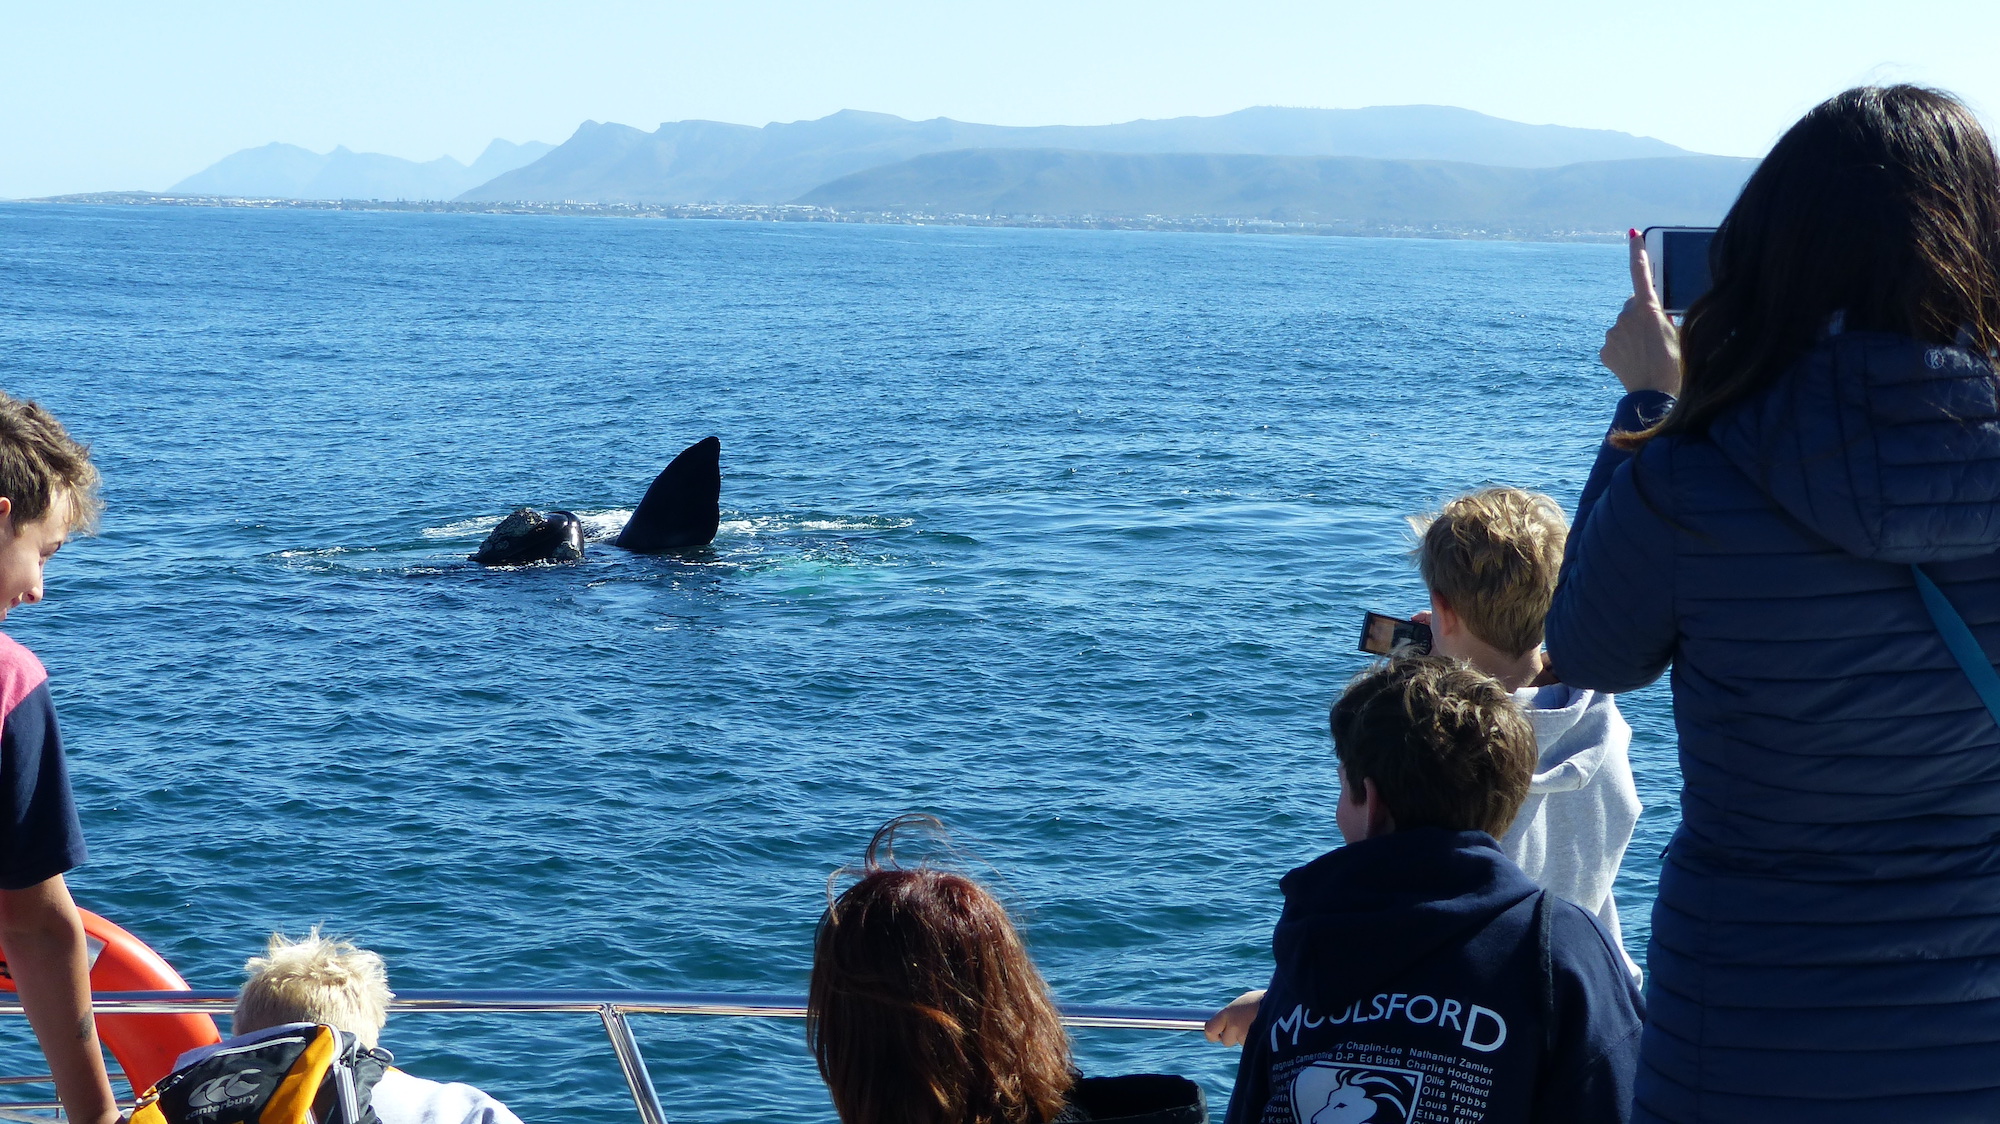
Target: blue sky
[{"x": 135, "y": 96}]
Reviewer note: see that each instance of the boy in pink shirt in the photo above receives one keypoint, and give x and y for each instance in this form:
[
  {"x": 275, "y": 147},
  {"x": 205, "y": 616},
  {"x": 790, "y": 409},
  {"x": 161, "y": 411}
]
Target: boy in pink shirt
[{"x": 48, "y": 490}]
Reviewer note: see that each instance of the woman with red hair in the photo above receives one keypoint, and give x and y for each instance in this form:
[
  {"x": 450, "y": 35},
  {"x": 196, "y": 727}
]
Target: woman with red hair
[{"x": 924, "y": 1008}]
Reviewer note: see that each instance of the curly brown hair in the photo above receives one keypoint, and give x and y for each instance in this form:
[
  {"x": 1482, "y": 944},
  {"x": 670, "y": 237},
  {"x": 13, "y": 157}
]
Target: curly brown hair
[
  {"x": 38, "y": 460},
  {"x": 924, "y": 1007},
  {"x": 1444, "y": 744}
]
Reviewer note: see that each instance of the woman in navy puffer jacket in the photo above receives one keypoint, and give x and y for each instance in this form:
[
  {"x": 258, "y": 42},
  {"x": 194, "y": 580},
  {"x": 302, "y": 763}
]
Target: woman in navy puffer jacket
[{"x": 1826, "y": 942}]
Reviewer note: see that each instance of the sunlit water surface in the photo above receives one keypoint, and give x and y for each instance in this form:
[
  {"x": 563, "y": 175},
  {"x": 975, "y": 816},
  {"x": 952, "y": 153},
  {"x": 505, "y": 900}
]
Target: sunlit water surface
[{"x": 1064, "y": 536}]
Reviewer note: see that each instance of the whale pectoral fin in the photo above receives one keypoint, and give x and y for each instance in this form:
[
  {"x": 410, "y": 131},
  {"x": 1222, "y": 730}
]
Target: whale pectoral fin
[{"x": 683, "y": 507}]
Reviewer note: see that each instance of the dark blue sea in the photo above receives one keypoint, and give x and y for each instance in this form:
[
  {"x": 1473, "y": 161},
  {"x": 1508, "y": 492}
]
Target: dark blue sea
[{"x": 1063, "y": 536}]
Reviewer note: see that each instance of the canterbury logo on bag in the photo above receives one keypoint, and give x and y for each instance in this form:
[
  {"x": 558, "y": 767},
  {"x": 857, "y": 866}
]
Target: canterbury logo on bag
[
  {"x": 298, "y": 1074},
  {"x": 224, "y": 1089}
]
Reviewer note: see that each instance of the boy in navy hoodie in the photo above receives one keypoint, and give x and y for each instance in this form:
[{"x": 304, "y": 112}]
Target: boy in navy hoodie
[{"x": 1420, "y": 975}]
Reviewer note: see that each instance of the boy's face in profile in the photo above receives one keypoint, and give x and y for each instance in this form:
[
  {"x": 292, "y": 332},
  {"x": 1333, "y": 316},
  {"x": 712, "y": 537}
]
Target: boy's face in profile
[
  {"x": 1359, "y": 811},
  {"x": 1347, "y": 810},
  {"x": 26, "y": 547}
]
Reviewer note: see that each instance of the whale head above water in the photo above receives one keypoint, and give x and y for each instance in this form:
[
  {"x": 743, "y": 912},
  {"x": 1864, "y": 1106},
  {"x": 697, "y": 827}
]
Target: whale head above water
[
  {"x": 528, "y": 536},
  {"x": 681, "y": 511}
]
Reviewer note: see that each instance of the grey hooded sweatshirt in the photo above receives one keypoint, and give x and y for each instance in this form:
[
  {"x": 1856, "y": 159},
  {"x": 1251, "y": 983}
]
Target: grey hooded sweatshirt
[{"x": 1571, "y": 833}]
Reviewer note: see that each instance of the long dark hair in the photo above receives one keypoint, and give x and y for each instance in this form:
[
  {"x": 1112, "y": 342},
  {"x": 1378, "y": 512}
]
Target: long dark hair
[
  {"x": 1880, "y": 207},
  {"x": 924, "y": 1007}
]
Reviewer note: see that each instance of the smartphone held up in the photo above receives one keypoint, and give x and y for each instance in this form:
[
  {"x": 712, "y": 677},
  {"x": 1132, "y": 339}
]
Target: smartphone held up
[
  {"x": 1384, "y": 635},
  {"x": 1680, "y": 264}
]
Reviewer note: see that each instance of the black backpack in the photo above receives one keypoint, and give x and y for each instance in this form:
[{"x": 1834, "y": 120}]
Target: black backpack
[
  {"x": 1139, "y": 1098},
  {"x": 298, "y": 1074}
]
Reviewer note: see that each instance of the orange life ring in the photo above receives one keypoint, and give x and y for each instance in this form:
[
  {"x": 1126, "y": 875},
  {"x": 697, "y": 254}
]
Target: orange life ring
[{"x": 145, "y": 1045}]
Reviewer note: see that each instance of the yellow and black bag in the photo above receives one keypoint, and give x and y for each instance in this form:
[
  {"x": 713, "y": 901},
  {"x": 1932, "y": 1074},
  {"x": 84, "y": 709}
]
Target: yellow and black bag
[{"x": 297, "y": 1074}]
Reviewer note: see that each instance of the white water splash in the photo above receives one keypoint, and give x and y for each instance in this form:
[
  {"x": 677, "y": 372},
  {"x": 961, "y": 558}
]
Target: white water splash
[
  {"x": 478, "y": 525},
  {"x": 780, "y": 524}
]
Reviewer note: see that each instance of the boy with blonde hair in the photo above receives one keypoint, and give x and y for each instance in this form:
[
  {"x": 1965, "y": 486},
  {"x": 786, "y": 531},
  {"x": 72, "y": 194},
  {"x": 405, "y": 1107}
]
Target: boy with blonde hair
[
  {"x": 1490, "y": 559},
  {"x": 328, "y": 981},
  {"x": 48, "y": 491},
  {"x": 315, "y": 980}
]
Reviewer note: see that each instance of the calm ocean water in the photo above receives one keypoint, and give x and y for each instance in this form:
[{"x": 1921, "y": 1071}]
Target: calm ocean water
[{"x": 1062, "y": 535}]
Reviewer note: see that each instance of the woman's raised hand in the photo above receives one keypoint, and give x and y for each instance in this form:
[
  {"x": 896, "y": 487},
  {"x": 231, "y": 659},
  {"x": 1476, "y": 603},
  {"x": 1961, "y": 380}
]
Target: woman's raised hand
[{"x": 1643, "y": 348}]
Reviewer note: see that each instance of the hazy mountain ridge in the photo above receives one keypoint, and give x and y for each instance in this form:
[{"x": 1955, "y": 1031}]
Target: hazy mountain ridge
[
  {"x": 708, "y": 161},
  {"x": 1597, "y": 195},
  {"x": 1386, "y": 166},
  {"x": 285, "y": 171}
]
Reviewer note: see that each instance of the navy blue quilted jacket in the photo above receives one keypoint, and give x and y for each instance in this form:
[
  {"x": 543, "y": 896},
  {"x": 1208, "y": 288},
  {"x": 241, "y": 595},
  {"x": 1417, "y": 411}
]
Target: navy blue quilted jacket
[{"x": 1826, "y": 942}]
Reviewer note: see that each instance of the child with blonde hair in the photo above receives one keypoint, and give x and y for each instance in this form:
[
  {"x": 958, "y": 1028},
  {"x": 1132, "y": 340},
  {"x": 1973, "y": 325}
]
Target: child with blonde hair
[
  {"x": 315, "y": 980},
  {"x": 1491, "y": 559},
  {"x": 324, "y": 980}
]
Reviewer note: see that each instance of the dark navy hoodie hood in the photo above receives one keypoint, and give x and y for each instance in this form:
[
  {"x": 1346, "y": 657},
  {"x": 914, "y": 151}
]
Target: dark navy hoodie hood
[
  {"x": 1392, "y": 902},
  {"x": 1886, "y": 446},
  {"x": 1421, "y": 975}
]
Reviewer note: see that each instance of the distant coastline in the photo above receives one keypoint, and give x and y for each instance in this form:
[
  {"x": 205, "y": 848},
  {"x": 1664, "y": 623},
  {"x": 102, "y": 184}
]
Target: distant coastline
[
  {"x": 797, "y": 212},
  {"x": 1384, "y": 171}
]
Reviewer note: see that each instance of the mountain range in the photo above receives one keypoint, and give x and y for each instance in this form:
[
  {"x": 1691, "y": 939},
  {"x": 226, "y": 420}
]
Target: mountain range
[
  {"x": 1394, "y": 165},
  {"x": 286, "y": 171},
  {"x": 710, "y": 162},
  {"x": 1605, "y": 195}
]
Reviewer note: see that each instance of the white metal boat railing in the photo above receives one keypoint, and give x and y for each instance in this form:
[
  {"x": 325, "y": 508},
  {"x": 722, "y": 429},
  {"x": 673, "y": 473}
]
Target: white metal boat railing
[{"x": 611, "y": 1007}]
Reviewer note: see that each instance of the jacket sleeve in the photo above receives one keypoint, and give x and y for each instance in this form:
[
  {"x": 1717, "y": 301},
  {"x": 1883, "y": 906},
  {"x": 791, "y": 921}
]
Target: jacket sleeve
[
  {"x": 1253, "y": 1076},
  {"x": 1611, "y": 626},
  {"x": 1642, "y": 409},
  {"x": 1598, "y": 1090},
  {"x": 1590, "y": 1076}
]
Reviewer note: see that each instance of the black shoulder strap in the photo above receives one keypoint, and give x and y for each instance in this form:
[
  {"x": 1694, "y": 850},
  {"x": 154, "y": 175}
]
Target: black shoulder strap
[
  {"x": 1544, "y": 947},
  {"x": 369, "y": 1066},
  {"x": 346, "y": 1096}
]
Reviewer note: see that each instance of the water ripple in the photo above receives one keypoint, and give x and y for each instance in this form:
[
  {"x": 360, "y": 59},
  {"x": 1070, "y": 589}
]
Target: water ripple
[{"x": 1061, "y": 535}]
